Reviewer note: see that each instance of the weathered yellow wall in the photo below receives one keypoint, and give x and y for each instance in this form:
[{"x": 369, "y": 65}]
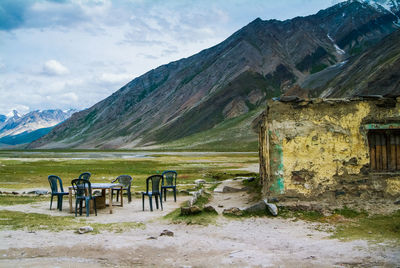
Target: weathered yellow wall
[{"x": 312, "y": 145}]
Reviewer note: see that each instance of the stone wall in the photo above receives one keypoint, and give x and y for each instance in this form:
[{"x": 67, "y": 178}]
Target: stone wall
[{"x": 318, "y": 149}]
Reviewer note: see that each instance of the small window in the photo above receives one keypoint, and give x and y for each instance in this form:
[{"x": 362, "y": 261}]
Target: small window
[{"x": 384, "y": 148}]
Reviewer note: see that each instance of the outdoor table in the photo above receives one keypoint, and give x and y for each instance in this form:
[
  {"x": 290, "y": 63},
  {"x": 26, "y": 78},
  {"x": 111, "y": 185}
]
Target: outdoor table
[{"x": 103, "y": 187}]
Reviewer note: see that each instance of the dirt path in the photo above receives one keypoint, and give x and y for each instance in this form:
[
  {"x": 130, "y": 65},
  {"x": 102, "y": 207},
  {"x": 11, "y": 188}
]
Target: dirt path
[{"x": 250, "y": 242}]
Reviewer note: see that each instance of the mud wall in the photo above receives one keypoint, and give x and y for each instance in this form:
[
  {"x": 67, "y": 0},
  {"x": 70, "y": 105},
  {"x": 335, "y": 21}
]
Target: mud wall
[{"x": 319, "y": 149}]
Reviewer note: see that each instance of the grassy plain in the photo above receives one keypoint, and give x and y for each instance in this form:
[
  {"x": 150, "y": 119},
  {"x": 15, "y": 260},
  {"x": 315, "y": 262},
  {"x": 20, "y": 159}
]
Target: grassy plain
[{"x": 27, "y": 170}]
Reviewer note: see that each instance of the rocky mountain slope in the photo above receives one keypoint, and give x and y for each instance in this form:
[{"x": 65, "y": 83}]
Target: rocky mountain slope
[
  {"x": 374, "y": 72},
  {"x": 228, "y": 81},
  {"x": 19, "y": 129}
]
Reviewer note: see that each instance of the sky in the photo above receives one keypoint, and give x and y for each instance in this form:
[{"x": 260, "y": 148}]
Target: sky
[{"x": 63, "y": 54}]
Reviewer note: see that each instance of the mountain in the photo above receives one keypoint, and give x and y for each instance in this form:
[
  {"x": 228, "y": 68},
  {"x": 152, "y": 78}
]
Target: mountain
[
  {"x": 3, "y": 118},
  {"x": 213, "y": 95},
  {"x": 374, "y": 72},
  {"x": 18, "y": 129}
]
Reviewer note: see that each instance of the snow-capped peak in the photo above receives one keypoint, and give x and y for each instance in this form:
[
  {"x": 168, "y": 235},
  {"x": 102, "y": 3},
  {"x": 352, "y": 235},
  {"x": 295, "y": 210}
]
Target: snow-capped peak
[
  {"x": 16, "y": 124},
  {"x": 391, "y": 6},
  {"x": 13, "y": 114}
]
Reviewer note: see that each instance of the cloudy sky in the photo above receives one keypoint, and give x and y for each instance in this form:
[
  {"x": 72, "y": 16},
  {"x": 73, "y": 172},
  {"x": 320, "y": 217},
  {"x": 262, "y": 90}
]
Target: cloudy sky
[{"x": 73, "y": 53}]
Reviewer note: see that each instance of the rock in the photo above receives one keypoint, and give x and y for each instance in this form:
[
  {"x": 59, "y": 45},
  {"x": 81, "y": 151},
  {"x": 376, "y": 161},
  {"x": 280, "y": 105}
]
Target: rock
[
  {"x": 271, "y": 207},
  {"x": 250, "y": 179},
  {"x": 41, "y": 192},
  {"x": 15, "y": 193},
  {"x": 233, "y": 211},
  {"x": 195, "y": 196},
  {"x": 220, "y": 206},
  {"x": 228, "y": 189},
  {"x": 199, "y": 181},
  {"x": 260, "y": 206},
  {"x": 151, "y": 238},
  {"x": 397, "y": 202},
  {"x": 167, "y": 233},
  {"x": 192, "y": 210},
  {"x": 209, "y": 209},
  {"x": 85, "y": 229}
]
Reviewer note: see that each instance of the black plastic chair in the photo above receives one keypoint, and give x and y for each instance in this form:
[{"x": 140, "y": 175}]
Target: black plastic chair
[
  {"x": 155, "y": 181},
  {"x": 169, "y": 182},
  {"x": 85, "y": 176},
  {"x": 83, "y": 192},
  {"x": 56, "y": 191},
  {"x": 126, "y": 181}
]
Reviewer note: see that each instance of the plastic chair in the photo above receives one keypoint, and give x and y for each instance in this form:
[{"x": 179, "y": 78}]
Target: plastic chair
[
  {"x": 126, "y": 181},
  {"x": 54, "y": 182},
  {"x": 155, "y": 181},
  {"x": 85, "y": 176},
  {"x": 83, "y": 192},
  {"x": 169, "y": 182}
]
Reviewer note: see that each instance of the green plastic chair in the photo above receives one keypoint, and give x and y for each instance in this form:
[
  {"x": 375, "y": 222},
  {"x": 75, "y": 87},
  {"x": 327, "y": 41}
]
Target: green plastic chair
[
  {"x": 83, "y": 192},
  {"x": 126, "y": 181},
  {"x": 155, "y": 181},
  {"x": 85, "y": 176},
  {"x": 169, "y": 182},
  {"x": 56, "y": 190}
]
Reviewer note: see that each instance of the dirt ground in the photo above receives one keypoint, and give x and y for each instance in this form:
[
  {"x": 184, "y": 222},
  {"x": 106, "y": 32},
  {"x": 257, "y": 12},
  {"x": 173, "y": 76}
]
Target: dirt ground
[{"x": 249, "y": 242}]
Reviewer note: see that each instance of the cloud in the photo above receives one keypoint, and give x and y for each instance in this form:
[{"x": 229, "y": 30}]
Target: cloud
[
  {"x": 115, "y": 78},
  {"x": 53, "y": 67},
  {"x": 69, "y": 97}
]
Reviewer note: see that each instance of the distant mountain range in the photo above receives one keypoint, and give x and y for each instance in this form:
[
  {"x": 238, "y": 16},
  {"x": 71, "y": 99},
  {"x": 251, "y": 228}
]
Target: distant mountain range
[
  {"x": 209, "y": 99},
  {"x": 19, "y": 129}
]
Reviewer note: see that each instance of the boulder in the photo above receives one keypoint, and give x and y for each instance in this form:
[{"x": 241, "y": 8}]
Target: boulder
[
  {"x": 271, "y": 207},
  {"x": 233, "y": 211},
  {"x": 199, "y": 181},
  {"x": 260, "y": 206},
  {"x": 167, "y": 233},
  {"x": 192, "y": 210},
  {"x": 209, "y": 209},
  {"x": 85, "y": 229}
]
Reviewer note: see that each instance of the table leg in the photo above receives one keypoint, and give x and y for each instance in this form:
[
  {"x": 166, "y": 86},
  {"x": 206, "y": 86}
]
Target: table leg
[
  {"x": 70, "y": 199},
  {"x": 122, "y": 200},
  {"x": 110, "y": 199}
]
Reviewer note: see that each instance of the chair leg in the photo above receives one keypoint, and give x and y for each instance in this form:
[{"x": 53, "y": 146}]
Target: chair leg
[
  {"x": 143, "y": 201},
  {"x": 156, "y": 198},
  {"x": 61, "y": 201},
  {"x": 58, "y": 202},
  {"x": 76, "y": 208},
  {"x": 164, "y": 192},
  {"x": 151, "y": 203},
  {"x": 80, "y": 207},
  {"x": 51, "y": 201},
  {"x": 161, "y": 202},
  {"x": 87, "y": 201},
  {"x": 118, "y": 194},
  {"x": 129, "y": 196},
  {"x": 175, "y": 194}
]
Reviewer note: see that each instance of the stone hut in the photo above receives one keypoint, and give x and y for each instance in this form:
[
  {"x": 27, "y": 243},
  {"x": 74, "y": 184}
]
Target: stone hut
[{"x": 330, "y": 149}]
